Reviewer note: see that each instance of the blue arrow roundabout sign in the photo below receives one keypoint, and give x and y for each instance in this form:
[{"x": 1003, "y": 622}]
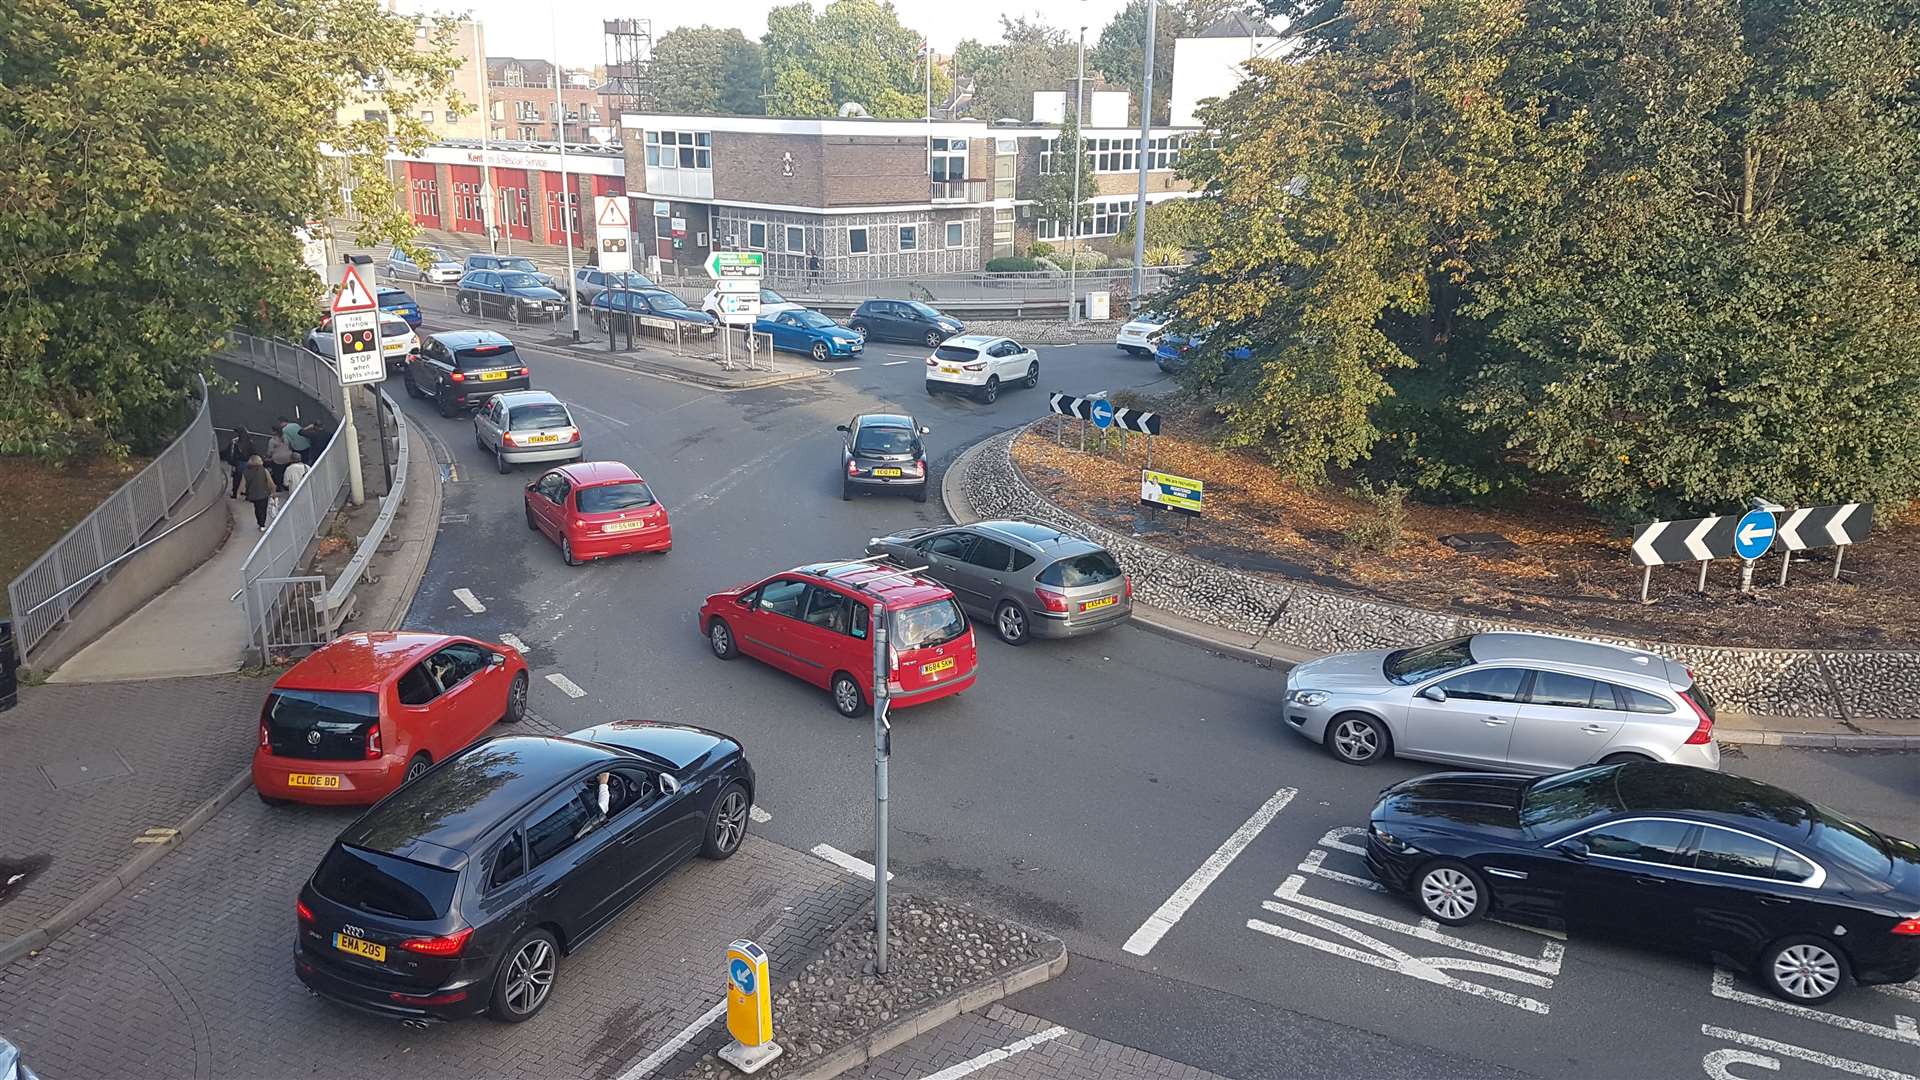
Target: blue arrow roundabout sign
[
  {"x": 741, "y": 973},
  {"x": 1102, "y": 413},
  {"x": 1754, "y": 535}
]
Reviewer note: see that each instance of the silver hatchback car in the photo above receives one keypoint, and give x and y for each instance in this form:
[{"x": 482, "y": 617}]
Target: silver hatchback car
[
  {"x": 1031, "y": 580},
  {"x": 527, "y": 426},
  {"x": 1531, "y": 703}
]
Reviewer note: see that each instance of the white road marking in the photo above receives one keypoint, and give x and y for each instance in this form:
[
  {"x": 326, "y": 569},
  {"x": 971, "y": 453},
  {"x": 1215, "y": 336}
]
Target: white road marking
[
  {"x": 465, "y": 596},
  {"x": 1839, "y": 1064},
  {"x": 600, "y": 415},
  {"x": 758, "y": 814},
  {"x": 567, "y": 686},
  {"x": 980, "y": 1061},
  {"x": 1903, "y": 1030},
  {"x": 672, "y": 1046},
  {"x": 1385, "y": 956},
  {"x": 1336, "y": 838},
  {"x": 855, "y": 367},
  {"x": 856, "y": 867},
  {"x": 1548, "y": 962},
  {"x": 1908, "y": 990},
  {"x": 1718, "y": 1063},
  {"x": 1169, "y": 913},
  {"x": 895, "y": 363},
  {"x": 1311, "y": 865},
  {"x": 513, "y": 641}
]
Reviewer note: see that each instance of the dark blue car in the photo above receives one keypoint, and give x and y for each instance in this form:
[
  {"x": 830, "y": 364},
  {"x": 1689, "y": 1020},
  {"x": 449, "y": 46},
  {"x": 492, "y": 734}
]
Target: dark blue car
[
  {"x": 1175, "y": 351},
  {"x": 810, "y": 332},
  {"x": 401, "y": 303},
  {"x": 641, "y": 305}
]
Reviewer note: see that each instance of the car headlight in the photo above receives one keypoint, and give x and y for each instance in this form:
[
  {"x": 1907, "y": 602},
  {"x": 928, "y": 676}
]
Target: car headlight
[
  {"x": 1389, "y": 841},
  {"x": 1308, "y": 698}
]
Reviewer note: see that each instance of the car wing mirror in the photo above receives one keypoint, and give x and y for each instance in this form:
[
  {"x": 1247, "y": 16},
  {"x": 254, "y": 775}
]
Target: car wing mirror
[
  {"x": 839, "y": 427},
  {"x": 926, "y": 430},
  {"x": 1575, "y": 849},
  {"x": 1434, "y": 693},
  {"x": 668, "y": 784},
  {"x": 531, "y": 484},
  {"x": 495, "y": 660}
]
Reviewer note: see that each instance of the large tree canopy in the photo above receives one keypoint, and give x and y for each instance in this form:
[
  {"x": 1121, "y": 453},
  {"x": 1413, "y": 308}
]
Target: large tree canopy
[
  {"x": 1660, "y": 256},
  {"x": 155, "y": 159},
  {"x": 1029, "y": 56},
  {"x": 852, "y": 51},
  {"x": 707, "y": 69}
]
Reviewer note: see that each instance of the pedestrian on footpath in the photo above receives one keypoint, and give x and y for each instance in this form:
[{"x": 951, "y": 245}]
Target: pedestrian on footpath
[
  {"x": 297, "y": 440},
  {"x": 813, "y": 265},
  {"x": 239, "y": 449},
  {"x": 295, "y": 473},
  {"x": 279, "y": 456},
  {"x": 259, "y": 489},
  {"x": 317, "y": 439}
]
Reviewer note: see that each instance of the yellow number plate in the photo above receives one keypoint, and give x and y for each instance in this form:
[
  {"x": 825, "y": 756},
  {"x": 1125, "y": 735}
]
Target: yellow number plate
[
  {"x": 1092, "y": 605},
  {"x": 886, "y": 472},
  {"x": 623, "y": 526},
  {"x": 307, "y": 779},
  {"x": 543, "y": 438},
  {"x": 937, "y": 666},
  {"x": 945, "y": 370},
  {"x": 359, "y": 948},
  {"x": 492, "y": 376}
]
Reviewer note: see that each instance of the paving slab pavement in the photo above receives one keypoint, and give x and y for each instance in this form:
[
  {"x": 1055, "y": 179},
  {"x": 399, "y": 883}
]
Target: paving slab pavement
[{"x": 1005, "y": 1044}]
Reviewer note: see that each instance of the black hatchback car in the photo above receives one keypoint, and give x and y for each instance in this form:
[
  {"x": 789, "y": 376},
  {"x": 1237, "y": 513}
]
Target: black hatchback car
[
  {"x": 459, "y": 893},
  {"x": 1669, "y": 855},
  {"x": 883, "y": 452},
  {"x": 460, "y": 369},
  {"x": 903, "y": 320}
]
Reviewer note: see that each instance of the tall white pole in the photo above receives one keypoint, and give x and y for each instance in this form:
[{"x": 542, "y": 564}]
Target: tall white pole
[
  {"x": 495, "y": 210},
  {"x": 882, "y": 752},
  {"x": 1146, "y": 127},
  {"x": 566, "y": 181},
  {"x": 1079, "y": 162}
]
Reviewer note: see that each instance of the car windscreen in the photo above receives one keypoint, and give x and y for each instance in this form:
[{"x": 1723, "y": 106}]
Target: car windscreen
[
  {"x": 885, "y": 440},
  {"x": 383, "y": 885},
  {"x": 768, "y": 296},
  {"x": 1552, "y": 803},
  {"x": 320, "y": 723},
  {"x": 611, "y": 498},
  {"x": 550, "y": 414},
  {"x": 927, "y": 625},
  {"x": 520, "y": 264},
  {"x": 1853, "y": 844},
  {"x": 812, "y": 319},
  {"x": 922, "y": 309},
  {"x": 485, "y": 356},
  {"x": 1406, "y": 666},
  {"x": 666, "y": 301},
  {"x": 629, "y": 281},
  {"x": 520, "y": 281},
  {"x": 1093, "y": 568},
  {"x": 957, "y": 353}
]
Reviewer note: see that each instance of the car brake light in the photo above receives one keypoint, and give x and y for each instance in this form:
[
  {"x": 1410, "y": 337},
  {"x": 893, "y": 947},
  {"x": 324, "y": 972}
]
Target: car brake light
[
  {"x": 1051, "y": 600},
  {"x": 973, "y": 367},
  {"x": 1128, "y": 582},
  {"x": 524, "y": 371},
  {"x": 458, "y": 376},
  {"x": 1907, "y": 927},
  {"x": 301, "y": 910},
  {"x": 853, "y": 467},
  {"x": 373, "y": 742},
  {"x": 264, "y": 744},
  {"x": 931, "y": 362},
  {"x": 1703, "y": 731},
  {"x": 444, "y": 945},
  {"x": 506, "y": 438}
]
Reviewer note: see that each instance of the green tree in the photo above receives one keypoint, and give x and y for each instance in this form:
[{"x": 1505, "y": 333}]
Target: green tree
[
  {"x": 706, "y": 69},
  {"x": 1029, "y": 56},
  {"x": 852, "y": 51},
  {"x": 1180, "y": 224},
  {"x": 155, "y": 159},
  {"x": 1053, "y": 196}
]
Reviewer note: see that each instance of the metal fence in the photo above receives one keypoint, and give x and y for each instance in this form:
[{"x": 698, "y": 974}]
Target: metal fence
[
  {"x": 45, "y": 592},
  {"x": 976, "y": 287},
  {"x": 287, "y": 612}
]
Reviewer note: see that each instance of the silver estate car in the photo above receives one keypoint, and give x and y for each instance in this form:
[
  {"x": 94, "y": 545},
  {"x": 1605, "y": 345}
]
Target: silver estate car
[
  {"x": 1531, "y": 703},
  {"x": 522, "y": 426},
  {"x": 1031, "y": 580}
]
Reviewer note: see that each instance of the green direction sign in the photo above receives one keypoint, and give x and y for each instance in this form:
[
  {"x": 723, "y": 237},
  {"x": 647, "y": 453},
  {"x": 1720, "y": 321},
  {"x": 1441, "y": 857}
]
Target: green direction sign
[{"x": 737, "y": 264}]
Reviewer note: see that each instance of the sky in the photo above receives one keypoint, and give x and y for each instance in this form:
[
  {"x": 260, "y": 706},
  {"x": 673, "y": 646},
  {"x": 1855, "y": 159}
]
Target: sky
[{"x": 518, "y": 28}]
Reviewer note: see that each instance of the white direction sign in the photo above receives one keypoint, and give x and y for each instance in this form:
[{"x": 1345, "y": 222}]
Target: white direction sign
[
  {"x": 357, "y": 353},
  {"x": 612, "y": 232},
  {"x": 732, "y": 303},
  {"x": 741, "y": 285}
]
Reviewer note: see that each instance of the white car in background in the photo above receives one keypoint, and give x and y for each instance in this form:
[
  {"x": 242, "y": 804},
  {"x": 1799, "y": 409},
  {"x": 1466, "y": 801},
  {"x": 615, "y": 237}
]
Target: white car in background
[
  {"x": 979, "y": 365},
  {"x": 397, "y": 340},
  {"x": 1139, "y": 335},
  {"x": 440, "y": 268},
  {"x": 771, "y": 304}
]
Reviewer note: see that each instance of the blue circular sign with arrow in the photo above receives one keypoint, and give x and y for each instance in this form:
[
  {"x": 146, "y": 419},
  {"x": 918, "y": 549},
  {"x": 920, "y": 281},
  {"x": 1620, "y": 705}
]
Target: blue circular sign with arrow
[
  {"x": 1754, "y": 535},
  {"x": 741, "y": 973},
  {"x": 1102, "y": 413}
]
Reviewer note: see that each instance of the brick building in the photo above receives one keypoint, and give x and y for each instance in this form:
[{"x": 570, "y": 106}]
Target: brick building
[
  {"x": 521, "y": 108},
  {"x": 444, "y": 188}
]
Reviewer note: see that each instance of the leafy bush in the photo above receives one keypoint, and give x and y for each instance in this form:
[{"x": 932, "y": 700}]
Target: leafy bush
[
  {"x": 1039, "y": 249},
  {"x": 1380, "y": 530},
  {"x": 1048, "y": 264},
  {"x": 1165, "y": 256},
  {"x": 1084, "y": 259},
  {"x": 1011, "y": 264}
]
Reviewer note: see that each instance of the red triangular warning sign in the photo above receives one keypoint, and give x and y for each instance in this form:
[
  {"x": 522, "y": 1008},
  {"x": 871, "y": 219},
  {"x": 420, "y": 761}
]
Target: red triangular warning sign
[
  {"x": 352, "y": 294},
  {"x": 613, "y": 213}
]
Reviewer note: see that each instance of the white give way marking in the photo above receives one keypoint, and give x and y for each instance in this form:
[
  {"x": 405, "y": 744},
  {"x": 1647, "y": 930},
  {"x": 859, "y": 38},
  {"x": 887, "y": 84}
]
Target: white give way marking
[
  {"x": 1169, "y": 913},
  {"x": 567, "y": 686},
  {"x": 1718, "y": 1063},
  {"x": 1001, "y": 1053},
  {"x": 472, "y": 602}
]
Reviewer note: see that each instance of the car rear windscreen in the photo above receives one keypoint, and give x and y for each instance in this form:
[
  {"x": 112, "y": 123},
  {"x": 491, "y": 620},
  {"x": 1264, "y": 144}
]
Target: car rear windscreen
[
  {"x": 1093, "y": 568},
  {"x": 927, "y": 625},
  {"x": 885, "y": 440},
  {"x": 322, "y": 724},
  {"x": 955, "y": 352},
  {"x": 394, "y": 328},
  {"x": 383, "y": 885},
  {"x": 545, "y": 415},
  {"x": 610, "y": 498},
  {"x": 480, "y": 357}
]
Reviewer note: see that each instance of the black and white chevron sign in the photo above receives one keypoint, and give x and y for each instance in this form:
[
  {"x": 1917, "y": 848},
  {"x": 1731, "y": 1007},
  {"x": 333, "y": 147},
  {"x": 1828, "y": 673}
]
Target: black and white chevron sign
[
  {"x": 1068, "y": 405},
  {"x": 1825, "y": 526},
  {"x": 1140, "y": 420}
]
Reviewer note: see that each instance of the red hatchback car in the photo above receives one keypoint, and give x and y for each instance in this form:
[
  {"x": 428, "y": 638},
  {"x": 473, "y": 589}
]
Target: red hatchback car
[
  {"x": 369, "y": 711},
  {"x": 596, "y": 509},
  {"x": 812, "y": 622}
]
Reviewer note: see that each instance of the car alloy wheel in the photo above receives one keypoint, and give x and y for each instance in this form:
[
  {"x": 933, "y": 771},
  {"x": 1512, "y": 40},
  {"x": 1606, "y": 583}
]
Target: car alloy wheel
[
  {"x": 1450, "y": 894},
  {"x": 1033, "y": 374},
  {"x": 444, "y": 403},
  {"x": 819, "y": 350},
  {"x": 1356, "y": 739},
  {"x": 566, "y": 552},
  {"x": 991, "y": 392},
  {"x": 933, "y": 338},
  {"x": 720, "y": 637},
  {"x": 529, "y": 977},
  {"x": 846, "y": 695},
  {"x": 533, "y": 525},
  {"x": 859, "y": 328},
  {"x": 466, "y": 305},
  {"x": 500, "y": 461},
  {"x": 418, "y": 767},
  {"x": 516, "y": 700},
  {"x": 728, "y": 825},
  {"x": 1011, "y": 623},
  {"x": 1804, "y": 971}
]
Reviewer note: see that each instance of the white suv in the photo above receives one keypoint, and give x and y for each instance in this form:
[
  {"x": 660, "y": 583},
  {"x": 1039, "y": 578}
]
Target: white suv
[{"x": 980, "y": 364}]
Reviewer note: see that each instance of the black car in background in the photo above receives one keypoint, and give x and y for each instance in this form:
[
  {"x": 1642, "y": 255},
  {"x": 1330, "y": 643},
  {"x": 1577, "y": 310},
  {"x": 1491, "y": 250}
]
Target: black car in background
[
  {"x": 509, "y": 294},
  {"x": 519, "y": 263},
  {"x": 1669, "y": 855},
  {"x": 460, "y": 369},
  {"x": 883, "y": 451},
  {"x": 903, "y": 320},
  {"x": 641, "y": 304},
  {"x": 459, "y": 893}
]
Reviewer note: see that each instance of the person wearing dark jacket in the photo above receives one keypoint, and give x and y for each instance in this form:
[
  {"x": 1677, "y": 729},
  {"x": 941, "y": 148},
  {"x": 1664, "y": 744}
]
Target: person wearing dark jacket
[
  {"x": 317, "y": 439},
  {"x": 259, "y": 486},
  {"x": 239, "y": 449}
]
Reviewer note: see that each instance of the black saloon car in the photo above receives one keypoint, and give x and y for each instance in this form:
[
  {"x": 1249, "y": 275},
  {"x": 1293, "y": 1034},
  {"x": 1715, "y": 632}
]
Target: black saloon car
[
  {"x": 640, "y": 305},
  {"x": 460, "y": 369},
  {"x": 518, "y": 263},
  {"x": 883, "y": 451},
  {"x": 903, "y": 320},
  {"x": 459, "y": 893},
  {"x": 508, "y": 293},
  {"x": 1669, "y": 855}
]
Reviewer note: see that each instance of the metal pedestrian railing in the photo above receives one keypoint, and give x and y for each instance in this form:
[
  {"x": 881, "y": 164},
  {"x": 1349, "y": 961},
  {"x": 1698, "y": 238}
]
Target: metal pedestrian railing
[{"x": 44, "y": 594}]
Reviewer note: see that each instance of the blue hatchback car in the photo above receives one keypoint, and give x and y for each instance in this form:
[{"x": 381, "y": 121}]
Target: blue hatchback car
[
  {"x": 812, "y": 333},
  {"x": 401, "y": 303},
  {"x": 1175, "y": 351}
]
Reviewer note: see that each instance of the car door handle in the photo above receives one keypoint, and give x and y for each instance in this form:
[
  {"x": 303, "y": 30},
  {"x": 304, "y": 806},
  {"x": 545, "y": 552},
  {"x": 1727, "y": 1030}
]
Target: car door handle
[
  {"x": 996, "y": 581},
  {"x": 1775, "y": 901},
  {"x": 1494, "y": 721},
  {"x": 1645, "y": 880},
  {"x": 1594, "y": 729}
]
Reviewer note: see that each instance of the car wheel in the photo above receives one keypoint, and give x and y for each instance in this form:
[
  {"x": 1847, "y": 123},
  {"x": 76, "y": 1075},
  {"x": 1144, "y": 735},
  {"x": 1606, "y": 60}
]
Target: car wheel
[
  {"x": 525, "y": 978},
  {"x": 1010, "y": 622},
  {"x": 500, "y": 462},
  {"x": 1357, "y": 739},
  {"x": 566, "y": 552},
  {"x": 847, "y": 698},
  {"x": 413, "y": 388},
  {"x": 516, "y": 700},
  {"x": 444, "y": 403},
  {"x": 532, "y": 523},
  {"x": 820, "y": 350},
  {"x": 859, "y": 328},
  {"x": 417, "y": 767},
  {"x": 846, "y": 491},
  {"x": 1033, "y": 374},
  {"x": 466, "y": 305},
  {"x": 991, "y": 392},
  {"x": 1625, "y": 759},
  {"x": 933, "y": 338},
  {"x": 1803, "y": 969},
  {"x": 269, "y": 800},
  {"x": 727, "y": 825},
  {"x": 1451, "y": 892},
  {"x": 932, "y": 390},
  {"x": 920, "y": 493},
  {"x": 720, "y": 639}
]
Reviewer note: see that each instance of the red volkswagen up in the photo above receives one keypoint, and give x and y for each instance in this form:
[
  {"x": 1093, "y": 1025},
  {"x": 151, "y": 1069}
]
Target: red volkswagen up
[
  {"x": 814, "y": 622},
  {"x": 595, "y": 509},
  {"x": 369, "y": 711}
]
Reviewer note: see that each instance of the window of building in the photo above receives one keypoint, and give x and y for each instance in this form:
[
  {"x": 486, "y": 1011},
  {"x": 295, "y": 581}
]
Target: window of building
[
  {"x": 757, "y": 235},
  {"x": 516, "y": 76},
  {"x": 956, "y": 234},
  {"x": 1163, "y": 153},
  {"x": 909, "y": 238},
  {"x": 857, "y": 240},
  {"x": 526, "y": 110},
  {"x": 948, "y": 159},
  {"x": 680, "y": 149},
  {"x": 557, "y": 225},
  {"x": 378, "y": 116},
  {"x": 796, "y": 238},
  {"x": 528, "y": 134},
  {"x": 499, "y": 110},
  {"x": 1105, "y": 217},
  {"x": 1047, "y": 148},
  {"x": 426, "y": 116}
]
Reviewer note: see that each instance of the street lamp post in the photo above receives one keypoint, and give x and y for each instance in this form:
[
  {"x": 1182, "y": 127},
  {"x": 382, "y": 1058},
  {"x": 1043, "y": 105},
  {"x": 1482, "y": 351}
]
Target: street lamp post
[
  {"x": 1079, "y": 163},
  {"x": 882, "y": 751},
  {"x": 1146, "y": 125},
  {"x": 566, "y": 183}
]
